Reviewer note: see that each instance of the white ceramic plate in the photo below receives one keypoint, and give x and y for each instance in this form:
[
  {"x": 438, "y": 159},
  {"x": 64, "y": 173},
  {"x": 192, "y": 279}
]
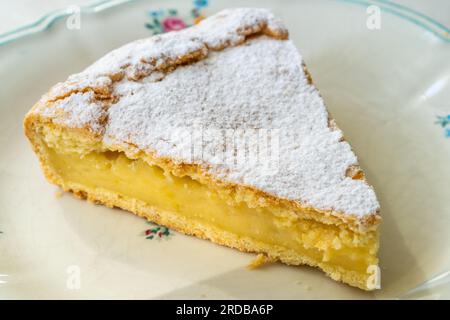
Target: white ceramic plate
[{"x": 385, "y": 87}]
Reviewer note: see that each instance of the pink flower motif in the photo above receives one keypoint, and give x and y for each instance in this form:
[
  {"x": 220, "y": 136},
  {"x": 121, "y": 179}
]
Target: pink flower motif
[{"x": 173, "y": 24}]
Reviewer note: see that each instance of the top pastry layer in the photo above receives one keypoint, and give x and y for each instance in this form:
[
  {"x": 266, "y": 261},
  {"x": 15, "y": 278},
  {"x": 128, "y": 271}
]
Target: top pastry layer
[{"x": 229, "y": 94}]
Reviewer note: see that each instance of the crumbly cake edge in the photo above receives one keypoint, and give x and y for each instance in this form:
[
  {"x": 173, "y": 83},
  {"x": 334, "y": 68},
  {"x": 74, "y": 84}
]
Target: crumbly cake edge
[
  {"x": 359, "y": 224},
  {"x": 245, "y": 244}
]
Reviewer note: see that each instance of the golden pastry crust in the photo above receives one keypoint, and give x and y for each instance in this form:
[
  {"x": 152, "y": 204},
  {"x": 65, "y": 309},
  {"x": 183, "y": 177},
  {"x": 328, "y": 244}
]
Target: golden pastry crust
[
  {"x": 174, "y": 222},
  {"x": 253, "y": 196}
]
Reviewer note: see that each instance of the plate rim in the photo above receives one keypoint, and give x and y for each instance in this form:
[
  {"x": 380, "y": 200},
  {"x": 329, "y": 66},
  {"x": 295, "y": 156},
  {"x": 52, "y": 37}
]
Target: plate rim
[{"x": 47, "y": 20}]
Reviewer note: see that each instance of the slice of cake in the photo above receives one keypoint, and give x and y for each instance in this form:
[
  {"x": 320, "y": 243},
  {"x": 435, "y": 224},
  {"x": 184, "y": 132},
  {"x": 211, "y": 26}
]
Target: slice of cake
[{"x": 215, "y": 131}]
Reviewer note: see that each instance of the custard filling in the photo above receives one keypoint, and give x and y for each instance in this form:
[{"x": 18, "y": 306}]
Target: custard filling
[{"x": 329, "y": 245}]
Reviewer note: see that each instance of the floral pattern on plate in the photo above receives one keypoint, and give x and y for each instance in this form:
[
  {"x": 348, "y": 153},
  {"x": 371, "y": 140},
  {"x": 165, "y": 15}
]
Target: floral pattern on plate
[
  {"x": 157, "y": 232},
  {"x": 165, "y": 20},
  {"x": 444, "y": 122}
]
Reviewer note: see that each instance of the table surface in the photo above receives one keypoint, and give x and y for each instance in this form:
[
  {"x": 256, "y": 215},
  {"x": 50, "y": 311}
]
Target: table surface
[{"x": 16, "y": 13}]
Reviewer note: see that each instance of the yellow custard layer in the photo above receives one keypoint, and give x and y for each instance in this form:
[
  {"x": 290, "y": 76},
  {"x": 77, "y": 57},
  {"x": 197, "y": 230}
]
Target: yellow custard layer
[{"x": 327, "y": 245}]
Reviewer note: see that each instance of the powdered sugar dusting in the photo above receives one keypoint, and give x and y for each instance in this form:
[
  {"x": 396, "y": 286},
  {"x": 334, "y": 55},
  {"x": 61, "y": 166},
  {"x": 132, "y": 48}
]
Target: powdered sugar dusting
[
  {"x": 259, "y": 84},
  {"x": 230, "y": 27},
  {"x": 141, "y": 58},
  {"x": 147, "y": 55},
  {"x": 79, "y": 110}
]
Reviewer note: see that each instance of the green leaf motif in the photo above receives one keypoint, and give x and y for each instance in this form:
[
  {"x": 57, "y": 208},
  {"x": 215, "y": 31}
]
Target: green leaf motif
[{"x": 157, "y": 231}]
